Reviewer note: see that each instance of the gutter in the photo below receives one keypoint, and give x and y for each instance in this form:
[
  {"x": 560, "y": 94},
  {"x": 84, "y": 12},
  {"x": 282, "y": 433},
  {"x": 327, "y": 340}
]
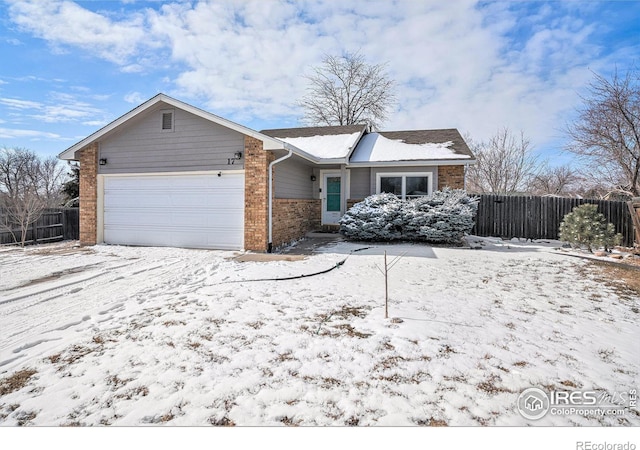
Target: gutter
[
  {"x": 431, "y": 162},
  {"x": 273, "y": 163}
]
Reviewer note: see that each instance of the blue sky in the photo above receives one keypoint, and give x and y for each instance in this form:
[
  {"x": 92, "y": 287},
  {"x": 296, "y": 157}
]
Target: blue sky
[{"x": 68, "y": 68}]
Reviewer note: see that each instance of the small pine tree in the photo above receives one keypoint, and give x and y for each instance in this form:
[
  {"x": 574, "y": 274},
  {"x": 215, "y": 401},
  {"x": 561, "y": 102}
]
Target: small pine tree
[
  {"x": 585, "y": 226},
  {"x": 71, "y": 189}
]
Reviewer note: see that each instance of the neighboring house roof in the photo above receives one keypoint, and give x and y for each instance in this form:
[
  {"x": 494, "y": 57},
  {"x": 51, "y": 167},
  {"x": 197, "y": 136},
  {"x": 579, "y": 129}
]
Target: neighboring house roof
[
  {"x": 323, "y": 143},
  {"x": 433, "y": 146},
  {"x": 269, "y": 142}
]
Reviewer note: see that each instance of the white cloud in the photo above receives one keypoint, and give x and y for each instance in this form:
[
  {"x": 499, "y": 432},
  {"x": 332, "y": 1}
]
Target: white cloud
[
  {"x": 474, "y": 66},
  {"x": 68, "y": 112},
  {"x": 59, "y": 108},
  {"x": 10, "y": 133},
  {"x": 132, "y": 68},
  {"x": 134, "y": 97},
  {"x": 66, "y": 23},
  {"x": 15, "y": 103},
  {"x": 94, "y": 123},
  {"x": 453, "y": 63}
]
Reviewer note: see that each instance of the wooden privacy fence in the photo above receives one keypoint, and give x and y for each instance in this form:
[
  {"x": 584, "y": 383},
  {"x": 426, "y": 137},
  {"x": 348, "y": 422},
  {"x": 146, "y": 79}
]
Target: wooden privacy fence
[
  {"x": 531, "y": 217},
  {"x": 55, "y": 224}
]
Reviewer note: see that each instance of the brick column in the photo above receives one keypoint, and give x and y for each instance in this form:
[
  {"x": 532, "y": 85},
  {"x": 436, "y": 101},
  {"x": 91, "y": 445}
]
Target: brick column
[
  {"x": 452, "y": 176},
  {"x": 88, "y": 194},
  {"x": 256, "y": 195}
]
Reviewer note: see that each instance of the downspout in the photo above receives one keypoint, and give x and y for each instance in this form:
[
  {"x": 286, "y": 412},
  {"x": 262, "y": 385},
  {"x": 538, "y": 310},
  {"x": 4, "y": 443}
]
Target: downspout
[{"x": 273, "y": 163}]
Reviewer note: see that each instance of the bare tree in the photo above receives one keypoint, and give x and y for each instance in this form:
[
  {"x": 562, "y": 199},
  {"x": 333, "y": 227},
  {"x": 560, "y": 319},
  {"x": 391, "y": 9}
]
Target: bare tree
[
  {"x": 345, "y": 90},
  {"x": 606, "y": 133},
  {"x": 505, "y": 164},
  {"x": 28, "y": 185},
  {"x": 600, "y": 191},
  {"x": 22, "y": 212},
  {"x": 51, "y": 180},
  {"x": 561, "y": 180}
]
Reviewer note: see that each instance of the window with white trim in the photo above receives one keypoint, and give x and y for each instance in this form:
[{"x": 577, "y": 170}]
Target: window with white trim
[
  {"x": 404, "y": 185},
  {"x": 168, "y": 120}
]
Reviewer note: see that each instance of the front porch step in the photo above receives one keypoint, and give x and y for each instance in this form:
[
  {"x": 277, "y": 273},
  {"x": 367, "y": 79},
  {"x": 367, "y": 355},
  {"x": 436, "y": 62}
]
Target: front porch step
[{"x": 330, "y": 228}]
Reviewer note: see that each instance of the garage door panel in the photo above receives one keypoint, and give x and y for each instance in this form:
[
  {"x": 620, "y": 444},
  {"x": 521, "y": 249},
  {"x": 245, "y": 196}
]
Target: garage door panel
[
  {"x": 223, "y": 239},
  {"x": 175, "y": 182},
  {"x": 200, "y": 211},
  {"x": 186, "y": 201},
  {"x": 149, "y": 217}
]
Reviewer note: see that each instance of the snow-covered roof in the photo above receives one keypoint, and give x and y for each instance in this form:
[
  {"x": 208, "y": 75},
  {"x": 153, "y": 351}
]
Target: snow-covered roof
[
  {"x": 418, "y": 145},
  {"x": 325, "y": 147},
  {"x": 334, "y": 142}
]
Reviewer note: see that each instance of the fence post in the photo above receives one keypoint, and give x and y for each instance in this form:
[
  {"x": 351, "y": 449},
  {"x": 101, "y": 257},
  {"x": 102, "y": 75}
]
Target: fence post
[
  {"x": 63, "y": 214},
  {"x": 634, "y": 210}
]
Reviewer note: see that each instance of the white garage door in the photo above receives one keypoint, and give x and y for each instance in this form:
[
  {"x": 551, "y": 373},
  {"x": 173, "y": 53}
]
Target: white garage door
[{"x": 194, "y": 211}]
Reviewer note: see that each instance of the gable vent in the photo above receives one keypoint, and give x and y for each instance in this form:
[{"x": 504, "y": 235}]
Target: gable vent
[{"x": 167, "y": 121}]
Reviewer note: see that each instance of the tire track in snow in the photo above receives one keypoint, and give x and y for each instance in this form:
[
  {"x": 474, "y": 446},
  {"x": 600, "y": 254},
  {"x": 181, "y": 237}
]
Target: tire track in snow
[
  {"x": 43, "y": 288},
  {"x": 62, "y": 308}
]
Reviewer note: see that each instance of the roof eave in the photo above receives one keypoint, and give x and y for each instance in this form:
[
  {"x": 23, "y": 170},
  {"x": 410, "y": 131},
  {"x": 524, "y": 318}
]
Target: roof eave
[{"x": 333, "y": 161}]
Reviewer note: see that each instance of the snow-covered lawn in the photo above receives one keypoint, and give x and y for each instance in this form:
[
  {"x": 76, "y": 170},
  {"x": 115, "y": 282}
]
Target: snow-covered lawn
[{"x": 133, "y": 336}]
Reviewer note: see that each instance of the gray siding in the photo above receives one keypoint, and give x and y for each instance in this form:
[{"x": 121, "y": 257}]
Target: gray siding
[
  {"x": 360, "y": 183},
  {"x": 292, "y": 179},
  {"x": 141, "y": 146}
]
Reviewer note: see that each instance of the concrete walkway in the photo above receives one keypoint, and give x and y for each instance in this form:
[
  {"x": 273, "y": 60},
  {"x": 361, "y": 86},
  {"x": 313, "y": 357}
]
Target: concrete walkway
[
  {"x": 317, "y": 242},
  {"x": 312, "y": 242},
  {"x": 336, "y": 243},
  {"x": 310, "y": 245}
]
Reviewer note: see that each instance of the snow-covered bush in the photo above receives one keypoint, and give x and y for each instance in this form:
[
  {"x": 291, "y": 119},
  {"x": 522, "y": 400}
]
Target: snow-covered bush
[
  {"x": 443, "y": 217},
  {"x": 585, "y": 226},
  {"x": 377, "y": 217}
]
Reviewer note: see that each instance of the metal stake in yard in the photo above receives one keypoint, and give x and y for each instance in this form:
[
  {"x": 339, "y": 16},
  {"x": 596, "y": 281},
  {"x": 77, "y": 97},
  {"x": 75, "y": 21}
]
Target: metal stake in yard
[
  {"x": 385, "y": 272},
  {"x": 386, "y": 287}
]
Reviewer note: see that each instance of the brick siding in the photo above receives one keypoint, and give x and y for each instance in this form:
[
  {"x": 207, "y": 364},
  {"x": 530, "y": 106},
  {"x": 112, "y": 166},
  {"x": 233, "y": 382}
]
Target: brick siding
[
  {"x": 88, "y": 194},
  {"x": 293, "y": 218},
  {"x": 452, "y": 176},
  {"x": 256, "y": 195}
]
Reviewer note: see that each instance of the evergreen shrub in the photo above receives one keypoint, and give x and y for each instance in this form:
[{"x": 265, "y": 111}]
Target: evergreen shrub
[
  {"x": 443, "y": 217},
  {"x": 584, "y": 226}
]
